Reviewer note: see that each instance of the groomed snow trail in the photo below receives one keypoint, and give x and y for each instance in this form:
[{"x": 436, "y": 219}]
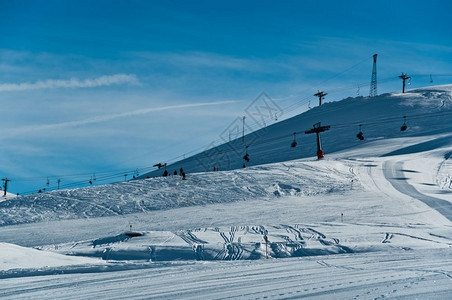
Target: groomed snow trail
[
  {"x": 396, "y": 274},
  {"x": 395, "y": 174}
]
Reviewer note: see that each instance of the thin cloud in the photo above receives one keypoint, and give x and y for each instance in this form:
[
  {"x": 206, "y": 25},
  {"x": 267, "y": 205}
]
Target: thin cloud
[
  {"x": 71, "y": 83},
  {"x": 104, "y": 118}
]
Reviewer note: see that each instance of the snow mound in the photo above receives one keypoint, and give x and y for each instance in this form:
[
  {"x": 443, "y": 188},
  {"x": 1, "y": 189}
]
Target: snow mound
[
  {"x": 249, "y": 242},
  {"x": 17, "y": 257}
]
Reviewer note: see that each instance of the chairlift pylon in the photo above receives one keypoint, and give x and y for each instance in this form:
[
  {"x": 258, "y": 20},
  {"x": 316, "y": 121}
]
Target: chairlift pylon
[
  {"x": 404, "y": 126},
  {"x": 360, "y": 134},
  {"x": 294, "y": 142}
]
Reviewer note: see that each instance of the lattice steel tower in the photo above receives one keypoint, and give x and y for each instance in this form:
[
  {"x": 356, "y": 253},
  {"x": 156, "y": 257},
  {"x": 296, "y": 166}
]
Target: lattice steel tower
[{"x": 373, "y": 82}]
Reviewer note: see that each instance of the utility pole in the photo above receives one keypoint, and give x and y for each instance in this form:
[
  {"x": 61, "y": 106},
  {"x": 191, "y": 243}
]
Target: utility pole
[
  {"x": 321, "y": 95},
  {"x": 243, "y": 130},
  {"x": 6, "y": 180},
  {"x": 373, "y": 81},
  {"x": 317, "y": 129},
  {"x": 404, "y": 77}
]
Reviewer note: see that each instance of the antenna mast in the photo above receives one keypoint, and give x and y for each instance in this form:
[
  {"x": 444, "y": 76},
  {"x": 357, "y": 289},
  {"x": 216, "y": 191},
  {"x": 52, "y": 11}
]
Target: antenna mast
[{"x": 373, "y": 81}]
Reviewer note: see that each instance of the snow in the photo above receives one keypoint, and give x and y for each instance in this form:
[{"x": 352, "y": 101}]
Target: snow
[
  {"x": 16, "y": 257},
  {"x": 371, "y": 220},
  {"x": 4, "y": 197}
]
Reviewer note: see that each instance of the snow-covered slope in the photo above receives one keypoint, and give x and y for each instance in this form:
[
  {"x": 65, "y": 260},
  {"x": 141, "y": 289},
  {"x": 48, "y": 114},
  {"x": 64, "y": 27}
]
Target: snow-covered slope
[
  {"x": 270, "y": 181},
  {"x": 371, "y": 220},
  {"x": 428, "y": 111}
]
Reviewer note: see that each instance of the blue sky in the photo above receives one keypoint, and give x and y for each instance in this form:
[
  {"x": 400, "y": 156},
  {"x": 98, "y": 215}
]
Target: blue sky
[{"x": 105, "y": 87}]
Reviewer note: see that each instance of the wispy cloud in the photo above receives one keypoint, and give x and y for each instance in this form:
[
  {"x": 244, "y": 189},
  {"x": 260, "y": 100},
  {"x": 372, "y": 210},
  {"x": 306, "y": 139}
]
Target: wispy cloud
[
  {"x": 104, "y": 118},
  {"x": 71, "y": 83},
  {"x": 198, "y": 60}
]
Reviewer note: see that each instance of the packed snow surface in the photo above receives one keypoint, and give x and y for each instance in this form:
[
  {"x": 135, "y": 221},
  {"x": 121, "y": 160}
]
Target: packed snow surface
[{"x": 371, "y": 220}]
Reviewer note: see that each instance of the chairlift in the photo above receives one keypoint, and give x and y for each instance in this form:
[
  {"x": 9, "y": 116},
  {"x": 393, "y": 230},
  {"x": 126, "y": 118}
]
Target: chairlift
[
  {"x": 246, "y": 156},
  {"x": 294, "y": 142},
  {"x": 360, "y": 134},
  {"x": 93, "y": 178},
  {"x": 404, "y": 126},
  {"x": 160, "y": 165}
]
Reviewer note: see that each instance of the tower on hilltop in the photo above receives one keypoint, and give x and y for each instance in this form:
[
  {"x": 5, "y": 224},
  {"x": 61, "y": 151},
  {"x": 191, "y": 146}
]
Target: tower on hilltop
[{"x": 373, "y": 81}]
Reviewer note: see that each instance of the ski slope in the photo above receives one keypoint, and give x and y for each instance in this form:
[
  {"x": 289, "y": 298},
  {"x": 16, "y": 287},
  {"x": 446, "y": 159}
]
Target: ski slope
[
  {"x": 427, "y": 112},
  {"x": 372, "y": 220}
]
